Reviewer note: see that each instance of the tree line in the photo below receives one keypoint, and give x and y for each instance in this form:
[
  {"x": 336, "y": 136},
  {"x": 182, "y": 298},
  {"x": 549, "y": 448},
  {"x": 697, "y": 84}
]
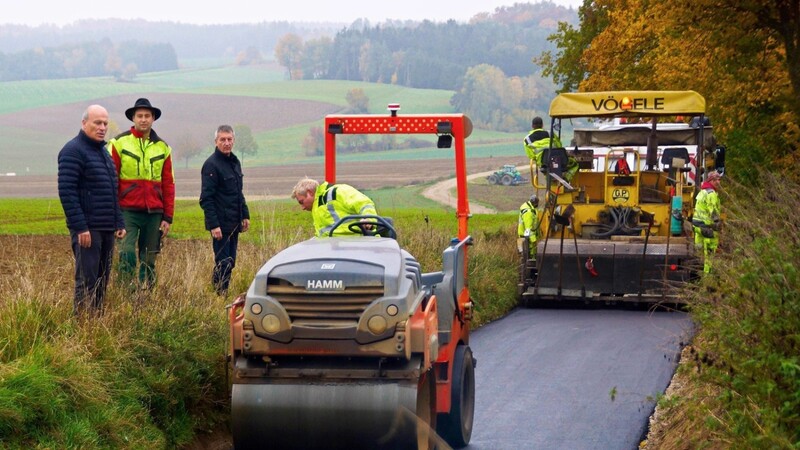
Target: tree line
[
  {"x": 89, "y": 59},
  {"x": 487, "y": 62},
  {"x": 427, "y": 55}
]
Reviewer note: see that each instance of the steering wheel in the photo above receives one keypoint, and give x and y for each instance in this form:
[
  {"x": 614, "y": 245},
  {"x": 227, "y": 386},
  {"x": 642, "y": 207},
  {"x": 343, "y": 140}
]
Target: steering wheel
[{"x": 381, "y": 226}]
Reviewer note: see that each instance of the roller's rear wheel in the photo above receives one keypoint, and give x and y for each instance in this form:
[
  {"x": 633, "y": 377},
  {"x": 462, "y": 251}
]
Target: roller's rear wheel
[{"x": 456, "y": 426}]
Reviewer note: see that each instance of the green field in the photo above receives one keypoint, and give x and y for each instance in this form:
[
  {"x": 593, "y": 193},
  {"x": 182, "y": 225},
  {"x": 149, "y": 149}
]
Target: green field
[{"x": 30, "y": 146}]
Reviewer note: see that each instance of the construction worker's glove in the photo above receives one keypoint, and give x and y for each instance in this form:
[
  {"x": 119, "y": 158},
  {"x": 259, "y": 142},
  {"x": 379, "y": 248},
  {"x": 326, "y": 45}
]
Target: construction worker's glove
[
  {"x": 717, "y": 225},
  {"x": 527, "y": 233},
  {"x": 707, "y": 232}
]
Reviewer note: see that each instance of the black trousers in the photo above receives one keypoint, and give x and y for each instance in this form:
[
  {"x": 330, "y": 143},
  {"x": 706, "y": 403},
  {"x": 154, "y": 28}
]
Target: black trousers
[
  {"x": 92, "y": 269},
  {"x": 224, "y": 260}
]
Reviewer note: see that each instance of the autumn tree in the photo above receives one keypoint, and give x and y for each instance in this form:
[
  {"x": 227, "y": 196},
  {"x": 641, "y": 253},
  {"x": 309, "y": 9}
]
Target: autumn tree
[
  {"x": 113, "y": 129},
  {"x": 741, "y": 56},
  {"x": 497, "y": 102},
  {"x": 315, "y": 57},
  {"x": 245, "y": 143},
  {"x": 314, "y": 143},
  {"x": 186, "y": 147},
  {"x": 249, "y": 56},
  {"x": 357, "y": 101},
  {"x": 113, "y": 64},
  {"x": 289, "y": 53},
  {"x": 129, "y": 72}
]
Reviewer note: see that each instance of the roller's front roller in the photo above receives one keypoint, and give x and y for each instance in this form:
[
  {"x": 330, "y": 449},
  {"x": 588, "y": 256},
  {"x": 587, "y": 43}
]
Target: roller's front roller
[{"x": 346, "y": 415}]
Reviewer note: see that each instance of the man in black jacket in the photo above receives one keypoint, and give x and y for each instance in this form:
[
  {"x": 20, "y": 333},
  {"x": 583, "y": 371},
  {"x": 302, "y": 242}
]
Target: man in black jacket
[
  {"x": 87, "y": 187},
  {"x": 222, "y": 200}
]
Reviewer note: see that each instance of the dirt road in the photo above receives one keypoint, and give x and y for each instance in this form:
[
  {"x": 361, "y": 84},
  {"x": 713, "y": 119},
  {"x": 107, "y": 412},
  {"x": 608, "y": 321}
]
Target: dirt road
[{"x": 442, "y": 192}]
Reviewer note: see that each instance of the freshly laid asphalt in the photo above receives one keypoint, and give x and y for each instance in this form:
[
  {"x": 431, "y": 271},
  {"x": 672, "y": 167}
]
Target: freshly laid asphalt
[{"x": 572, "y": 379}]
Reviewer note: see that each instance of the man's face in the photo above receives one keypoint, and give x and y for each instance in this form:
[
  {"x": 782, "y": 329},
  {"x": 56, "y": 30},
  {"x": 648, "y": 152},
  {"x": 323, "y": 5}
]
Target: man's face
[
  {"x": 96, "y": 123},
  {"x": 143, "y": 120},
  {"x": 306, "y": 201},
  {"x": 224, "y": 142}
]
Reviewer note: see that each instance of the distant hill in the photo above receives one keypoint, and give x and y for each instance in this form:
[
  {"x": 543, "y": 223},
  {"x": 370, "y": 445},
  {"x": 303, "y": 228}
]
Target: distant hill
[{"x": 189, "y": 41}]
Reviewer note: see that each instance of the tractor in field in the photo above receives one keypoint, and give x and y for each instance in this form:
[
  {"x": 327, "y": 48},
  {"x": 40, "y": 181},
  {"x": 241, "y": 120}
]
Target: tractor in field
[
  {"x": 345, "y": 342},
  {"x": 618, "y": 231},
  {"x": 507, "y": 175}
]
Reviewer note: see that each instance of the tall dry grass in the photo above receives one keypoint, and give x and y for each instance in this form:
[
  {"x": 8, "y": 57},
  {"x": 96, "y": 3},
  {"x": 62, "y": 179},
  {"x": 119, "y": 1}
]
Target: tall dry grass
[{"x": 150, "y": 372}]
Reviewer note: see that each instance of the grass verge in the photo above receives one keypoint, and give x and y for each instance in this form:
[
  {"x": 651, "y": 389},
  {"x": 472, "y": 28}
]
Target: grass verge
[
  {"x": 738, "y": 385},
  {"x": 150, "y": 372}
]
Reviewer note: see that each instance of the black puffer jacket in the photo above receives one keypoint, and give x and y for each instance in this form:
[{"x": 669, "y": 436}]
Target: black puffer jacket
[
  {"x": 221, "y": 195},
  {"x": 87, "y": 186}
]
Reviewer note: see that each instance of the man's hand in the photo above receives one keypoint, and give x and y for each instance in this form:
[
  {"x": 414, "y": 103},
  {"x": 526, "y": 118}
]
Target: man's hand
[
  {"x": 164, "y": 228},
  {"x": 216, "y": 233},
  {"x": 367, "y": 224},
  {"x": 119, "y": 234},
  {"x": 245, "y": 225},
  {"x": 85, "y": 239}
]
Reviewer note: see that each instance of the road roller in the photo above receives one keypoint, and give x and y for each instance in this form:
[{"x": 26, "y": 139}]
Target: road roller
[{"x": 345, "y": 341}]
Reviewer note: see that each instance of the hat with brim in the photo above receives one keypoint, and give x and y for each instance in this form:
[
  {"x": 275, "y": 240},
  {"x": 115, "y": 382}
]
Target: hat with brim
[{"x": 142, "y": 103}]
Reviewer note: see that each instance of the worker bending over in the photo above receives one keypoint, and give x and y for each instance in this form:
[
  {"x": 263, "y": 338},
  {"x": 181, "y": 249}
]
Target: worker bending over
[{"x": 330, "y": 202}]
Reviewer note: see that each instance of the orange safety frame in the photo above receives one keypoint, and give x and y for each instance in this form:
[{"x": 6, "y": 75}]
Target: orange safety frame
[{"x": 459, "y": 127}]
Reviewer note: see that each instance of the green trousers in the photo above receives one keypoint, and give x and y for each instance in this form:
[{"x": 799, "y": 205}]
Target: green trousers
[
  {"x": 707, "y": 245},
  {"x": 143, "y": 234}
]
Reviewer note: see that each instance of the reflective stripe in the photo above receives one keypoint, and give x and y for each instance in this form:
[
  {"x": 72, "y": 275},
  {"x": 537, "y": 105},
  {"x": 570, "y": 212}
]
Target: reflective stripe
[{"x": 327, "y": 199}]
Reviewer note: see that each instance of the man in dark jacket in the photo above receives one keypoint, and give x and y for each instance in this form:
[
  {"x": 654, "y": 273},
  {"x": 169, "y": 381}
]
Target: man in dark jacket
[
  {"x": 222, "y": 200},
  {"x": 87, "y": 187}
]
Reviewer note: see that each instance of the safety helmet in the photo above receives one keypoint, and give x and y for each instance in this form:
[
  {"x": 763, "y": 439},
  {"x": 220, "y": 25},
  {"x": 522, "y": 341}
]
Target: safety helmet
[{"x": 534, "y": 201}]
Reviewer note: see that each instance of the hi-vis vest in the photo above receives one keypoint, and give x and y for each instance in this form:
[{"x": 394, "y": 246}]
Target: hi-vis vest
[
  {"x": 528, "y": 220},
  {"x": 535, "y": 143},
  {"x": 332, "y": 202},
  {"x": 146, "y": 180},
  {"x": 707, "y": 207}
]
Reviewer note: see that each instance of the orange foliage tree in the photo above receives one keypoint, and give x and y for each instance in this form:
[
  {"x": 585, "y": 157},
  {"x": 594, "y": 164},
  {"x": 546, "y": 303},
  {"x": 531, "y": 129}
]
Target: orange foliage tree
[{"x": 743, "y": 56}]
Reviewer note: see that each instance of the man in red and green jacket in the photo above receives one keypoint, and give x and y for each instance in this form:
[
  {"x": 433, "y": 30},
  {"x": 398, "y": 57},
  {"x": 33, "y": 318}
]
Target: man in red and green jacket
[{"x": 146, "y": 193}]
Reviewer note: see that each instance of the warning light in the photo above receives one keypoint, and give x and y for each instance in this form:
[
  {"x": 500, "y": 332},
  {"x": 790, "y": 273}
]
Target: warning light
[
  {"x": 673, "y": 267},
  {"x": 626, "y": 104},
  {"x": 393, "y": 108}
]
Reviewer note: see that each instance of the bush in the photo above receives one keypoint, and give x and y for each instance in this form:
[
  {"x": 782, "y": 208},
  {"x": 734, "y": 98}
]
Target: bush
[{"x": 747, "y": 311}]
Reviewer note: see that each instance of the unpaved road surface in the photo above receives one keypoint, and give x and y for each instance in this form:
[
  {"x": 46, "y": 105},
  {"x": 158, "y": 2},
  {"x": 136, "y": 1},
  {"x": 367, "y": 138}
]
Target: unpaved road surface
[{"x": 443, "y": 192}]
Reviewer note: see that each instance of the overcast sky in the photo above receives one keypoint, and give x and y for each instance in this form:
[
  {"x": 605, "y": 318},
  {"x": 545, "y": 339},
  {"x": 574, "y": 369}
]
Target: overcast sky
[{"x": 37, "y": 12}]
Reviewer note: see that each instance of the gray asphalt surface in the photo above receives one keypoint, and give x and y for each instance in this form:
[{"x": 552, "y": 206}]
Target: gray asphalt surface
[{"x": 545, "y": 377}]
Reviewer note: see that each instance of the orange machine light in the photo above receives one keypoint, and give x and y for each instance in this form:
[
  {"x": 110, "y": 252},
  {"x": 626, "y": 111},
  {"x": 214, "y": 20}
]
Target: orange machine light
[{"x": 626, "y": 104}]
